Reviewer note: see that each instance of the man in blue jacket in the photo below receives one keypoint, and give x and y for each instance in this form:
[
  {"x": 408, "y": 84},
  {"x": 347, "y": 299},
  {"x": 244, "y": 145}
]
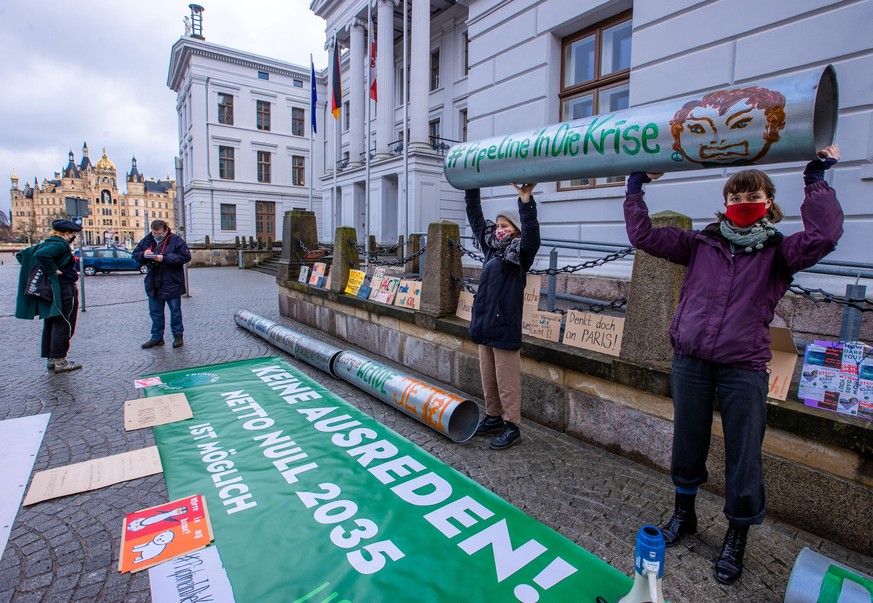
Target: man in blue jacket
[{"x": 165, "y": 254}]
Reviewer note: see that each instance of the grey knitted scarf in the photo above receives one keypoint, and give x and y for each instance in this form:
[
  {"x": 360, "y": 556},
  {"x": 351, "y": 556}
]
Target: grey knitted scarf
[
  {"x": 508, "y": 249},
  {"x": 750, "y": 238}
]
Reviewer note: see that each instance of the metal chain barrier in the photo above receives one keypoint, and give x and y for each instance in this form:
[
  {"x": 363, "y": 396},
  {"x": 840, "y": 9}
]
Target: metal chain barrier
[
  {"x": 585, "y": 265},
  {"x": 464, "y": 282},
  {"x": 302, "y": 246},
  {"x": 373, "y": 259},
  {"x": 822, "y": 296},
  {"x": 478, "y": 258}
]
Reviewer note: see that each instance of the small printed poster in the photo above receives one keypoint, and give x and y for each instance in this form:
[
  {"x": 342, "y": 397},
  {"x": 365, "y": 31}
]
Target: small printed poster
[
  {"x": 594, "y": 332},
  {"x": 316, "y": 277},
  {"x": 408, "y": 294},
  {"x": 304, "y": 275},
  {"x": 356, "y": 279},
  {"x": 364, "y": 292},
  {"x": 157, "y": 410},
  {"x": 543, "y": 325},
  {"x": 376, "y": 282},
  {"x": 387, "y": 290},
  {"x": 838, "y": 376},
  {"x": 465, "y": 306},
  {"x": 164, "y": 532}
]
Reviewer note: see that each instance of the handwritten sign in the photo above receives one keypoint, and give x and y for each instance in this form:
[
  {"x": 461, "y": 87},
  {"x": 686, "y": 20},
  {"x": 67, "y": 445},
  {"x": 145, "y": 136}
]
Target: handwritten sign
[
  {"x": 376, "y": 282},
  {"x": 542, "y": 325},
  {"x": 356, "y": 279},
  {"x": 408, "y": 294},
  {"x": 594, "y": 332},
  {"x": 532, "y": 290},
  {"x": 465, "y": 306}
]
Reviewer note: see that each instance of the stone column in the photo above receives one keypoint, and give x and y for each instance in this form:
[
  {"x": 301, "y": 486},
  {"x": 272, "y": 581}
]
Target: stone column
[
  {"x": 439, "y": 296},
  {"x": 419, "y": 85},
  {"x": 298, "y": 226},
  {"x": 385, "y": 78},
  {"x": 345, "y": 253},
  {"x": 357, "y": 106},
  {"x": 651, "y": 303}
]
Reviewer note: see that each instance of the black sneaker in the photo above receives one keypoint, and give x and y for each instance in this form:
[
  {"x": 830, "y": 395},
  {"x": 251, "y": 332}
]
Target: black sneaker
[
  {"x": 510, "y": 435},
  {"x": 63, "y": 365},
  {"x": 489, "y": 424},
  {"x": 151, "y": 343},
  {"x": 178, "y": 342}
]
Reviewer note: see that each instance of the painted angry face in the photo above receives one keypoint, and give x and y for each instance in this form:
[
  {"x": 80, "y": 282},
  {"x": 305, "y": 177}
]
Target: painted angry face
[{"x": 729, "y": 126}]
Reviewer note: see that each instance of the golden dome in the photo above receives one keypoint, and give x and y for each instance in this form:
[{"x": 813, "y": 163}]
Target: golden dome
[{"x": 105, "y": 163}]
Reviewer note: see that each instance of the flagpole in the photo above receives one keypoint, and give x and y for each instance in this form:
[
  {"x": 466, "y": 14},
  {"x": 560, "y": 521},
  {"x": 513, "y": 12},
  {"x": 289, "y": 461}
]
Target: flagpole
[
  {"x": 369, "y": 127},
  {"x": 403, "y": 132},
  {"x": 336, "y": 127},
  {"x": 312, "y": 103}
]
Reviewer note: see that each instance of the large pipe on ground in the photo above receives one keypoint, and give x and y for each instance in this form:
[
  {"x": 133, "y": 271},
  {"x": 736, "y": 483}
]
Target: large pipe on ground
[
  {"x": 787, "y": 118},
  {"x": 447, "y": 413}
]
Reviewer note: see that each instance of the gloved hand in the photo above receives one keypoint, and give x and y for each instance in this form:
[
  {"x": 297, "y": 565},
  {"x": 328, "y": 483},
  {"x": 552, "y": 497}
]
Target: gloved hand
[
  {"x": 815, "y": 170},
  {"x": 636, "y": 181}
]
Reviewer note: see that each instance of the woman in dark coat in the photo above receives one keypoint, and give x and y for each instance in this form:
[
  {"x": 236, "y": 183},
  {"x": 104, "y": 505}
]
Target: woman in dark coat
[{"x": 58, "y": 314}]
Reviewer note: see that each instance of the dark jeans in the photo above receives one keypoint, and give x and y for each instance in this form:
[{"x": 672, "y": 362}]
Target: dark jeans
[
  {"x": 58, "y": 330},
  {"x": 742, "y": 398},
  {"x": 156, "y": 311}
]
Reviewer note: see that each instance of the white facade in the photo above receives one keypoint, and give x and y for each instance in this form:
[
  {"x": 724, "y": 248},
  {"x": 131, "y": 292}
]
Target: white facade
[
  {"x": 221, "y": 200},
  {"x": 677, "y": 48}
]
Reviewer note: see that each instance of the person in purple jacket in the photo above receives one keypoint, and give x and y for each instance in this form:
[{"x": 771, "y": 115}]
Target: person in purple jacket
[{"x": 738, "y": 269}]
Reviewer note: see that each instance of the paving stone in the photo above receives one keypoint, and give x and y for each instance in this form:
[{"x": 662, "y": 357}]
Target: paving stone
[{"x": 67, "y": 549}]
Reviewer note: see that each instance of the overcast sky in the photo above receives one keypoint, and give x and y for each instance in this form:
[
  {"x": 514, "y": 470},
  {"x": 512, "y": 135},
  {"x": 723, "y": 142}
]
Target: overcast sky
[{"x": 96, "y": 72}]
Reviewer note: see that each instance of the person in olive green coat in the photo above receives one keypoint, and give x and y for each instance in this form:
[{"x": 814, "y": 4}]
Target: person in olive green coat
[{"x": 60, "y": 313}]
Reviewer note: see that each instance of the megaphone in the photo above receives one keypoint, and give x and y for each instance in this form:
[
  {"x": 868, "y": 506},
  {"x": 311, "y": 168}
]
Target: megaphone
[{"x": 649, "y": 566}]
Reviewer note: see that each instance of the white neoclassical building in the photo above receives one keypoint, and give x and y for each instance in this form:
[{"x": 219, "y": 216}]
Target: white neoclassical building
[
  {"x": 483, "y": 68},
  {"x": 244, "y": 140}
]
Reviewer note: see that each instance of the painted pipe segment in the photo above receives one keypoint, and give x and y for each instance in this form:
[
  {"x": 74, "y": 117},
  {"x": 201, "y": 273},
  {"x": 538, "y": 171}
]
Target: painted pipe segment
[
  {"x": 786, "y": 118},
  {"x": 447, "y": 413},
  {"x": 819, "y": 579}
]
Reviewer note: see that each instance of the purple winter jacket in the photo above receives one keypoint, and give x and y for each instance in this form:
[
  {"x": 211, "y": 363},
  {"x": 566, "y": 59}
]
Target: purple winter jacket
[{"x": 728, "y": 299}]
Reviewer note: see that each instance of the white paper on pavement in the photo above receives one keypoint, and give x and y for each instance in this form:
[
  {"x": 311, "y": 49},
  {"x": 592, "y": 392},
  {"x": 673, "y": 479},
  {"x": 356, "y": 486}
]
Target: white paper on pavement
[{"x": 197, "y": 576}]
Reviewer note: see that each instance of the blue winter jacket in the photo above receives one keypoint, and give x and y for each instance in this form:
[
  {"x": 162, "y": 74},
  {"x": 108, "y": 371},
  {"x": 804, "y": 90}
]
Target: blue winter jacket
[
  {"x": 498, "y": 303},
  {"x": 164, "y": 280}
]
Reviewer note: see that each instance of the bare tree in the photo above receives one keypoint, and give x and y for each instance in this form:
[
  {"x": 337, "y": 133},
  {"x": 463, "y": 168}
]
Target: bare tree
[{"x": 27, "y": 228}]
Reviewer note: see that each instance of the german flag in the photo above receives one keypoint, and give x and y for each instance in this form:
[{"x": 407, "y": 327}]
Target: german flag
[{"x": 336, "y": 97}]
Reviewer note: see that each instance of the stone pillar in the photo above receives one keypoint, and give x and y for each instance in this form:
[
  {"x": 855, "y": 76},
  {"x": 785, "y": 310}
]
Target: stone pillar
[
  {"x": 439, "y": 296},
  {"x": 414, "y": 266},
  {"x": 357, "y": 106},
  {"x": 651, "y": 303},
  {"x": 419, "y": 85},
  {"x": 345, "y": 253},
  {"x": 385, "y": 78},
  {"x": 297, "y": 226}
]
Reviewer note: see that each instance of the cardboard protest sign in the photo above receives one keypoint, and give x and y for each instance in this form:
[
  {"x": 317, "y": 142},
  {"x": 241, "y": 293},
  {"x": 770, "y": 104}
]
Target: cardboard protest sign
[
  {"x": 376, "y": 282},
  {"x": 465, "y": 306},
  {"x": 784, "y": 360},
  {"x": 148, "y": 412},
  {"x": 532, "y": 290},
  {"x": 196, "y": 577},
  {"x": 356, "y": 279},
  {"x": 594, "y": 332},
  {"x": 387, "y": 290},
  {"x": 542, "y": 325},
  {"x": 93, "y": 474},
  {"x": 408, "y": 294},
  {"x": 164, "y": 532},
  {"x": 316, "y": 277}
]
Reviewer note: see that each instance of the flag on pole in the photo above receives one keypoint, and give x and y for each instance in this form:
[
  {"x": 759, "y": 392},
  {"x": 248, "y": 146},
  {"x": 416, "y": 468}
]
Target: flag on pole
[
  {"x": 372, "y": 36},
  {"x": 336, "y": 99},
  {"x": 313, "y": 95}
]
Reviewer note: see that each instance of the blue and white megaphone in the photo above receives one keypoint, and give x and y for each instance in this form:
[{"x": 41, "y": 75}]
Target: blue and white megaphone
[{"x": 649, "y": 566}]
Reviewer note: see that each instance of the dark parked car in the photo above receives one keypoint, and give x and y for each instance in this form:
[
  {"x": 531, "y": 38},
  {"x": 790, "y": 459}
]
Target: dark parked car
[{"x": 108, "y": 260}]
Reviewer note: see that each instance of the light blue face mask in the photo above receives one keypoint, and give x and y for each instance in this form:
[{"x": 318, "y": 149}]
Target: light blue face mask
[{"x": 159, "y": 239}]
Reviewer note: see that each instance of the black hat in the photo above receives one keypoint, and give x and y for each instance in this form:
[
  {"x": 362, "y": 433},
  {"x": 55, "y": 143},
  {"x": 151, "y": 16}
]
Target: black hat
[{"x": 65, "y": 226}]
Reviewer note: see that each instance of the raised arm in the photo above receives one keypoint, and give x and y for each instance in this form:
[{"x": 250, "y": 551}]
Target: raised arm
[{"x": 668, "y": 242}]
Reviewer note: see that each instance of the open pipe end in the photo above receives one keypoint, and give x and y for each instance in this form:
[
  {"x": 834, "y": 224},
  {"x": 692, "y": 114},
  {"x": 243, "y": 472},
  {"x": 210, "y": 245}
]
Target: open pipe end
[
  {"x": 826, "y": 110},
  {"x": 463, "y": 422}
]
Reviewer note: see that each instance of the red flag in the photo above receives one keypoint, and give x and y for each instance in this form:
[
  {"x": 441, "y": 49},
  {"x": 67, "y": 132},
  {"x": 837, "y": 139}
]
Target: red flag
[
  {"x": 336, "y": 99},
  {"x": 372, "y": 36}
]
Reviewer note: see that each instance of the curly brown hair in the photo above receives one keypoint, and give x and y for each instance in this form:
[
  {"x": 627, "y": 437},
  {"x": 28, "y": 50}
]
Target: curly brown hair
[{"x": 749, "y": 181}]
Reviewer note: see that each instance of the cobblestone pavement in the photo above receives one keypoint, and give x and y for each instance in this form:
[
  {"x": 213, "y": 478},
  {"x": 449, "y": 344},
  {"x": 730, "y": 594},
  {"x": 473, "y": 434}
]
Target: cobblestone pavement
[{"x": 67, "y": 549}]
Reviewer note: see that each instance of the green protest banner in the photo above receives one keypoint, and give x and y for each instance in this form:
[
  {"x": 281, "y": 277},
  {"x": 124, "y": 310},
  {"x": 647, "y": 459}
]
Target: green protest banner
[{"x": 312, "y": 500}]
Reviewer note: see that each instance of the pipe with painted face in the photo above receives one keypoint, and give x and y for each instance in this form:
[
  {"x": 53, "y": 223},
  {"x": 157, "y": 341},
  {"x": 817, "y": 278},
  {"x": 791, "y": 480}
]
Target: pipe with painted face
[{"x": 787, "y": 118}]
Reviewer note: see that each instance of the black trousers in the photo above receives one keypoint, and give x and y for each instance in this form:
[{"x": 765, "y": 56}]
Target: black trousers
[{"x": 57, "y": 331}]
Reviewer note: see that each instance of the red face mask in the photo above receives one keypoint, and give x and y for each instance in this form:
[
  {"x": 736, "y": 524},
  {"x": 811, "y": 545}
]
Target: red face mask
[{"x": 745, "y": 214}]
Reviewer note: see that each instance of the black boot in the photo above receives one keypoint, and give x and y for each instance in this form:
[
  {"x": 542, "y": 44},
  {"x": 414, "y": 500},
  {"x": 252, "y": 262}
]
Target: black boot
[
  {"x": 729, "y": 565},
  {"x": 489, "y": 424},
  {"x": 684, "y": 520}
]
